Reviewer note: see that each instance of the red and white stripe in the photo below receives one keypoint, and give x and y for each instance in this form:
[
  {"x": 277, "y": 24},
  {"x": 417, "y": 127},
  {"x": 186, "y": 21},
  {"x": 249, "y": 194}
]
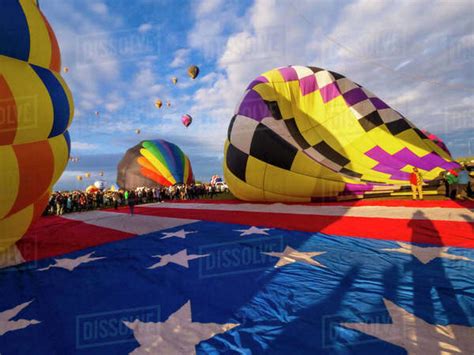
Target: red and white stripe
[{"x": 434, "y": 222}]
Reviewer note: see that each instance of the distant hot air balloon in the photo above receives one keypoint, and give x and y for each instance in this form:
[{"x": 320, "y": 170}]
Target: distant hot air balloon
[
  {"x": 187, "y": 120},
  {"x": 79, "y": 178},
  {"x": 87, "y": 175},
  {"x": 158, "y": 103},
  {"x": 66, "y": 69},
  {"x": 32, "y": 156},
  {"x": 174, "y": 80},
  {"x": 97, "y": 113},
  {"x": 101, "y": 173},
  {"x": 193, "y": 71},
  {"x": 153, "y": 163},
  {"x": 168, "y": 103},
  {"x": 137, "y": 131}
]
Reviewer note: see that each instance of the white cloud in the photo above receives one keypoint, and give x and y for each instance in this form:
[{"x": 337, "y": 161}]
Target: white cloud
[
  {"x": 362, "y": 40},
  {"x": 75, "y": 145},
  {"x": 145, "y": 27},
  {"x": 99, "y": 8},
  {"x": 180, "y": 57}
]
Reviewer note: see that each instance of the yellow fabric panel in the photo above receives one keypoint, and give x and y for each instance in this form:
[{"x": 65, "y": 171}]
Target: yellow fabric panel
[
  {"x": 266, "y": 91},
  {"x": 414, "y": 143},
  {"x": 287, "y": 182},
  {"x": 382, "y": 137},
  {"x": 186, "y": 169},
  {"x": 59, "y": 147},
  {"x": 285, "y": 98},
  {"x": 240, "y": 189},
  {"x": 327, "y": 188},
  {"x": 34, "y": 105},
  {"x": 9, "y": 179},
  {"x": 274, "y": 197},
  {"x": 158, "y": 165},
  {"x": 311, "y": 134},
  {"x": 254, "y": 174},
  {"x": 70, "y": 98},
  {"x": 40, "y": 43},
  {"x": 312, "y": 107},
  {"x": 303, "y": 164},
  {"x": 14, "y": 227},
  {"x": 336, "y": 107},
  {"x": 273, "y": 76},
  {"x": 345, "y": 127}
]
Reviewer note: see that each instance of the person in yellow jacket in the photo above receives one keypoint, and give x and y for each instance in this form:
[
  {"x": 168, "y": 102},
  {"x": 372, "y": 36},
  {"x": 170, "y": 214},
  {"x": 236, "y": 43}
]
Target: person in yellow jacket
[{"x": 416, "y": 182}]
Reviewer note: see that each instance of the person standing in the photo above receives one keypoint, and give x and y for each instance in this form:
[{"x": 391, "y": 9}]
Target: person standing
[
  {"x": 416, "y": 182},
  {"x": 131, "y": 201},
  {"x": 452, "y": 180}
]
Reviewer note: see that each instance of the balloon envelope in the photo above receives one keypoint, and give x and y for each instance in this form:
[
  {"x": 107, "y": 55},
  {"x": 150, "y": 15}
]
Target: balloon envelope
[
  {"x": 100, "y": 184},
  {"x": 186, "y": 120},
  {"x": 91, "y": 189},
  {"x": 174, "y": 80},
  {"x": 304, "y": 133},
  {"x": 193, "y": 71},
  {"x": 158, "y": 103},
  {"x": 33, "y": 150},
  {"x": 153, "y": 163}
]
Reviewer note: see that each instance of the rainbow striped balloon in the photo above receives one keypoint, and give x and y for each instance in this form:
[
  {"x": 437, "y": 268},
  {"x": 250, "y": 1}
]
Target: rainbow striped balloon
[
  {"x": 153, "y": 163},
  {"x": 36, "y": 108}
]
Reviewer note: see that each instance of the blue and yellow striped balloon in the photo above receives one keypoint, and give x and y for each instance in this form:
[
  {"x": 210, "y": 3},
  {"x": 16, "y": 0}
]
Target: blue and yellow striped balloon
[{"x": 36, "y": 109}]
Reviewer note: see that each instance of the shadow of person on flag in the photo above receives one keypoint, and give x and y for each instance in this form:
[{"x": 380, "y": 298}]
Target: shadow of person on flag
[{"x": 439, "y": 285}]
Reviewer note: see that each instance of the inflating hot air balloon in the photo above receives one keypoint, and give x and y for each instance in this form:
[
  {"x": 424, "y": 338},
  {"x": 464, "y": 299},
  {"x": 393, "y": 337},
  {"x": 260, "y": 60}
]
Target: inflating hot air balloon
[
  {"x": 91, "y": 189},
  {"x": 100, "y": 184},
  {"x": 193, "y": 71},
  {"x": 37, "y": 109},
  {"x": 158, "y": 103},
  {"x": 114, "y": 187},
  {"x": 87, "y": 175},
  {"x": 137, "y": 131},
  {"x": 187, "y": 120},
  {"x": 153, "y": 163},
  {"x": 304, "y": 133},
  {"x": 174, "y": 80}
]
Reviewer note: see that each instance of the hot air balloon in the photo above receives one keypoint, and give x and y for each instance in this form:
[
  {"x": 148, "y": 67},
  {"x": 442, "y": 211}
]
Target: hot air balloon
[
  {"x": 87, "y": 175},
  {"x": 66, "y": 69},
  {"x": 101, "y": 173},
  {"x": 100, "y": 184},
  {"x": 91, "y": 189},
  {"x": 158, "y": 103},
  {"x": 187, "y": 120},
  {"x": 153, "y": 163},
  {"x": 79, "y": 178},
  {"x": 114, "y": 187},
  {"x": 97, "y": 113},
  {"x": 305, "y": 133},
  {"x": 34, "y": 149},
  {"x": 174, "y": 80},
  {"x": 168, "y": 103},
  {"x": 137, "y": 131},
  {"x": 193, "y": 71}
]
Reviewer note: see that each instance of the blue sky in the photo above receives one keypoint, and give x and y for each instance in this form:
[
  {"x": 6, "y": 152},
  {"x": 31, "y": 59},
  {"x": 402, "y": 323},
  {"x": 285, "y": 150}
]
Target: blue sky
[{"x": 416, "y": 55}]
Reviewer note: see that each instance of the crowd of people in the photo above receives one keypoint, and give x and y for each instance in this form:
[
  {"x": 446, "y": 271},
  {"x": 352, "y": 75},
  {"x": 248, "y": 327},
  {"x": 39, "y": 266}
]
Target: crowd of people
[{"x": 78, "y": 201}]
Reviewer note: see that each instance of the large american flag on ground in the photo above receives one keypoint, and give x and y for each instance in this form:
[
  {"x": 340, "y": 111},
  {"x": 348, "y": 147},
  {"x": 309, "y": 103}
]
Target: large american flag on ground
[{"x": 369, "y": 277}]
